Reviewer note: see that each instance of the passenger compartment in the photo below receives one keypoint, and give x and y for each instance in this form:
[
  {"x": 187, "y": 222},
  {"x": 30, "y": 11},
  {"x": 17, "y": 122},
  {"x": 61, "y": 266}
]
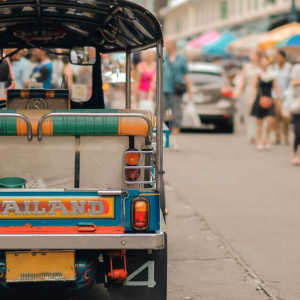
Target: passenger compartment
[{"x": 75, "y": 151}]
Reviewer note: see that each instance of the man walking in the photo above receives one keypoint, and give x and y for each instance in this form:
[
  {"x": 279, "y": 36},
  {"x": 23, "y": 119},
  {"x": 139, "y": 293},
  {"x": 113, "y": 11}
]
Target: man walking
[
  {"x": 283, "y": 70},
  {"x": 176, "y": 83}
]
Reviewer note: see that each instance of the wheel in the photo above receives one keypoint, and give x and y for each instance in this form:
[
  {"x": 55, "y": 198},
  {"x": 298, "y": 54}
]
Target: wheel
[
  {"x": 229, "y": 127},
  {"x": 226, "y": 127},
  {"x": 147, "y": 276}
]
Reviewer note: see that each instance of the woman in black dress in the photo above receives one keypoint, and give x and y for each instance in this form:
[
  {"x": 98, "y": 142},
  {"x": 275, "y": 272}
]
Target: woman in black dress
[{"x": 264, "y": 81}]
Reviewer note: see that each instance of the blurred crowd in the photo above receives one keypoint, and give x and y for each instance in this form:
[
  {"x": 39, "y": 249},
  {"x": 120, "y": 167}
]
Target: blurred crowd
[
  {"x": 42, "y": 69},
  {"x": 269, "y": 89}
]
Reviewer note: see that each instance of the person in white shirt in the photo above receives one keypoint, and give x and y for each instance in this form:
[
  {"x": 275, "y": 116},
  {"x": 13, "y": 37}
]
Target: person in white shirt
[{"x": 283, "y": 70}]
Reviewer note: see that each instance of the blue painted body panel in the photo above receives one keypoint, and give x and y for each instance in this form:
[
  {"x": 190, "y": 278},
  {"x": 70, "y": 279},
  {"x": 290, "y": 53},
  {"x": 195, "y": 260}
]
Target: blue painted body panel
[{"x": 119, "y": 220}]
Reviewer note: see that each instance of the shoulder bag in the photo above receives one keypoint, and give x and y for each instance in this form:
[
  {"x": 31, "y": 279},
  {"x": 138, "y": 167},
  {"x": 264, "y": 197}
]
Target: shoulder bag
[{"x": 179, "y": 87}]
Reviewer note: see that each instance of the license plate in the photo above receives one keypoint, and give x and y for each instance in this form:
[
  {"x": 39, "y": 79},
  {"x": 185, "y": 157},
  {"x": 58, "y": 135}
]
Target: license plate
[{"x": 40, "y": 266}]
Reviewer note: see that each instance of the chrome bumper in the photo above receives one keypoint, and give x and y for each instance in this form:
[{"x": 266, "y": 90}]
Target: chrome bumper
[{"x": 136, "y": 241}]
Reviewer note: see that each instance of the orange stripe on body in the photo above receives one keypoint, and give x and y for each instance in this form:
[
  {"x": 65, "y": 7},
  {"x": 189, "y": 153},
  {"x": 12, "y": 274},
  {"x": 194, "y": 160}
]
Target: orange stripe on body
[
  {"x": 135, "y": 126},
  {"x": 28, "y": 229},
  {"x": 34, "y": 117},
  {"x": 50, "y": 94}
]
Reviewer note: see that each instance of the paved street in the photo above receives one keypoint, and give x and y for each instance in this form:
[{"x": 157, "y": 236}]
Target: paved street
[{"x": 232, "y": 224}]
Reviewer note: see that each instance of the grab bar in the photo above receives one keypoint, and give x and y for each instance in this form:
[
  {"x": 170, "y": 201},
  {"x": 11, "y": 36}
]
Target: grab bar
[
  {"x": 109, "y": 115},
  {"x": 24, "y": 118}
]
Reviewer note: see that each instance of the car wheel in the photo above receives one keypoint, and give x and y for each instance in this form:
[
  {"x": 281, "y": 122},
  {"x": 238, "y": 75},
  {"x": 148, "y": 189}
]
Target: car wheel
[{"x": 229, "y": 127}]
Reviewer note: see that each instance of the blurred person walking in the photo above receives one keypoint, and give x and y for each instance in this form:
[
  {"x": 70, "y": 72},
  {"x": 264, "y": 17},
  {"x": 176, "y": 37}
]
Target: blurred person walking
[
  {"x": 22, "y": 68},
  {"x": 291, "y": 107},
  {"x": 57, "y": 67},
  {"x": 42, "y": 73},
  {"x": 243, "y": 91},
  {"x": 176, "y": 82},
  {"x": 283, "y": 70},
  {"x": 146, "y": 81},
  {"x": 263, "y": 82},
  {"x": 67, "y": 72}
]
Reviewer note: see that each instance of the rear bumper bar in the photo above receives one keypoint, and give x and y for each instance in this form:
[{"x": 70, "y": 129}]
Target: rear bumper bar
[{"x": 82, "y": 241}]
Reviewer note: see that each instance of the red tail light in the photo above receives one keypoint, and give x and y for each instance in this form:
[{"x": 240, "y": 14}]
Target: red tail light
[
  {"x": 140, "y": 214},
  {"x": 132, "y": 174}
]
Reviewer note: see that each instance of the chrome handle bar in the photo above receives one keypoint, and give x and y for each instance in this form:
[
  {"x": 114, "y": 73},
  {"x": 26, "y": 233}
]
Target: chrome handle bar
[
  {"x": 24, "y": 118},
  {"x": 109, "y": 115}
]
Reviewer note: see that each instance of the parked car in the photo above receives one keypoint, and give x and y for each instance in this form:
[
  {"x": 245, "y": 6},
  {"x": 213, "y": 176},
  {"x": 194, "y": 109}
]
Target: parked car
[{"x": 211, "y": 95}]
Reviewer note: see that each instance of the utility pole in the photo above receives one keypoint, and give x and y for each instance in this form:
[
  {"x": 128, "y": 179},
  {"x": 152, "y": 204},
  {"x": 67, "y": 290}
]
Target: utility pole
[{"x": 293, "y": 15}]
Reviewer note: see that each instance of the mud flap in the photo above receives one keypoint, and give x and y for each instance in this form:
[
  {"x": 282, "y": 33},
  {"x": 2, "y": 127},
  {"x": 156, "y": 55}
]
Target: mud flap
[{"x": 147, "y": 276}]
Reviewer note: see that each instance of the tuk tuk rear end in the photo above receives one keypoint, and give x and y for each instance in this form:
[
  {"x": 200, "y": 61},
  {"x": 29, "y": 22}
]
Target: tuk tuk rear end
[{"x": 81, "y": 185}]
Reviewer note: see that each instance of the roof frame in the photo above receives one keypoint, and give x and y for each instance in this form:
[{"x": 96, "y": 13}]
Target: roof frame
[{"x": 147, "y": 35}]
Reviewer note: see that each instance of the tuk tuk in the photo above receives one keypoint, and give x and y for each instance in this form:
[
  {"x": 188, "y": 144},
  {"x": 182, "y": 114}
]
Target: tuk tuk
[{"x": 81, "y": 186}]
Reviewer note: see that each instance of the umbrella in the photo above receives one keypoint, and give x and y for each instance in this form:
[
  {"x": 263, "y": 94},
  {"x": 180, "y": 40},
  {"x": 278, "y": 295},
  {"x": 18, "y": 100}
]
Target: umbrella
[
  {"x": 218, "y": 48},
  {"x": 279, "y": 34},
  {"x": 204, "y": 39},
  {"x": 293, "y": 41},
  {"x": 245, "y": 44}
]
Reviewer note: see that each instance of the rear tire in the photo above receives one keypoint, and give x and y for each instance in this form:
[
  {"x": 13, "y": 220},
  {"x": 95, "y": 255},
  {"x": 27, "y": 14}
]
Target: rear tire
[
  {"x": 157, "y": 289},
  {"x": 226, "y": 127}
]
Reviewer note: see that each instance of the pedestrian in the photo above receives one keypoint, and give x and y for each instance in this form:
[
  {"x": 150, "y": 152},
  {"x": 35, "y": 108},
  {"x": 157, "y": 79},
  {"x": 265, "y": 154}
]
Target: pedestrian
[
  {"x": 146, "y": 80},
  {"x": 21, "y": 68},
  {"x": 243, "y": 91},
  {"x": 263, "y": 108},
  {"x": 294, "y": 100},
  {"x": 57, "y": 67},
  {"x": 67, "y": 73},
  {"x": 283, "y": 70},
  {"x": 176, "y": 82},
  {"x": 42, "y": 73}
]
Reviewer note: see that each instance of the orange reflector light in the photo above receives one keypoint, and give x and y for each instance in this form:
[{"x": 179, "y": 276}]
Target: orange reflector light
[
  {"x": 105, "y": 87},
  {"x": 141, "y": 214},
  {"x": 132, "y": 158}
]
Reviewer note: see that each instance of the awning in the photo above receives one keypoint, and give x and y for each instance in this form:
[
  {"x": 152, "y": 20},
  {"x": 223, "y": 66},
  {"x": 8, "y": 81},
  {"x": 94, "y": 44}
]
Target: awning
[
  {"x": 218, "y": 48},
  {"x": 245, "y": 44},
  {"x": 204, "y": 39}
]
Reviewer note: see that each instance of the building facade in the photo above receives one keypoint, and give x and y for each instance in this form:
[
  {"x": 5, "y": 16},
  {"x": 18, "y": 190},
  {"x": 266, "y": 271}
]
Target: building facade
[{"x": 188, "y": 18}]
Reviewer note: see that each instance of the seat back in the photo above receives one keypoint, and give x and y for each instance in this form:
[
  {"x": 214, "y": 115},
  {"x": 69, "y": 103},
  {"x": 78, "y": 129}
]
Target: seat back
[{"x": 77, "y": 126}]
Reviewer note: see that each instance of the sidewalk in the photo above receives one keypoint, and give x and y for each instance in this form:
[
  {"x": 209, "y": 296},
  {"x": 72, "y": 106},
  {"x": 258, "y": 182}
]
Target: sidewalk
[{"x": 200, "y": 266}]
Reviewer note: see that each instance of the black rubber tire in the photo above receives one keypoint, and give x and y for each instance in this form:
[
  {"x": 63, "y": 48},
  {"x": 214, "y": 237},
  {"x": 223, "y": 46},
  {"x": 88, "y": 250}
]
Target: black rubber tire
[
  {"x": 135, "y": 260},
  {"x": 226, "y": 127},
  {"x": 229, "y": 127}
]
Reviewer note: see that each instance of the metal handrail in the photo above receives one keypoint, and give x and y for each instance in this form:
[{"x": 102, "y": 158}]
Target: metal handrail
[
  {"x": 24, "y": 118},
  {"x": 109, "y": 115}
]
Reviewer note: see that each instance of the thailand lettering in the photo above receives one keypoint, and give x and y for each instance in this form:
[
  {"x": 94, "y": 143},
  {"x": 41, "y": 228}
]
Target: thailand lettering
[{"x": 53, "y": 208}]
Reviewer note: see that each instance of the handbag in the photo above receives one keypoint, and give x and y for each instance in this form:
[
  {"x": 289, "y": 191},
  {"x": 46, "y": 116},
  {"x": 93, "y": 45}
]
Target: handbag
[
  {"x": 295, "y": 106},
  {"x": 179, "y": 87},
  {"x": 265, "y": 102},
  {"x": 190, "y": 118}
]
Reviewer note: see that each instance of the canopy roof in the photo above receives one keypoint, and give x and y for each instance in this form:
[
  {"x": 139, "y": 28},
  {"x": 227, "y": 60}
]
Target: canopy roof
[{"x": 125, "y": 25}]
